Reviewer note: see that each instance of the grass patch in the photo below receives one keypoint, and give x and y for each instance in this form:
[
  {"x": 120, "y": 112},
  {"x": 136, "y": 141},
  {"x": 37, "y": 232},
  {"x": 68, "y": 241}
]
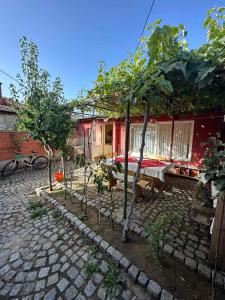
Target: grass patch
[
  {"x": 92, "y": 250},
  {"x": 90, "y": 269},
  {"x": 82, "y": 217},
  {"x": 112, "y": 280},
  {"x": 37, "y": 209},
  {"x": 56, "y": 215}
]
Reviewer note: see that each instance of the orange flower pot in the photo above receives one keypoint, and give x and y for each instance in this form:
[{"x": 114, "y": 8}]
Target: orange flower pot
[{"x": 59, "y": 176}]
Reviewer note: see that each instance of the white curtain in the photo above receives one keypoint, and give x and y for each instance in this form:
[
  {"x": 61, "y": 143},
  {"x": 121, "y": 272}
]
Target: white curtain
[
  {"x": 182, "y": 140},
  {"x": 164, "y": 139},
  {"x": 150, "y": 139},
  {"x": 158, "y": 139}
]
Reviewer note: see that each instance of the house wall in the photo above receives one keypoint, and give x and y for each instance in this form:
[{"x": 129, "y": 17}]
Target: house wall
[
  {"x": 8, "y": 121},
  {"x": 18, "y": 142},
  {"x": 205, "y": 126}
]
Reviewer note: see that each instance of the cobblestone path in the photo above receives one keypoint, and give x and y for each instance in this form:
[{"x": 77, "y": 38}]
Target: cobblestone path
[
  {"x": 41, "y": 259},
  {"x": 190, "y": 239}
]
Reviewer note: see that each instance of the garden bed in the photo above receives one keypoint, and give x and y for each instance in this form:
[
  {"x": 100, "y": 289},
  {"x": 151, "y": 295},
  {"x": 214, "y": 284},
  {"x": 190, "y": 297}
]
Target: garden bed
[{"x": 173, "y": 276}]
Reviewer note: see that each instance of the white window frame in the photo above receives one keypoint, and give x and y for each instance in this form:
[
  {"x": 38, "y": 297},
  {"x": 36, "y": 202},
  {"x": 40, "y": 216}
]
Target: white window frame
[{"x": 190, "y": 140}]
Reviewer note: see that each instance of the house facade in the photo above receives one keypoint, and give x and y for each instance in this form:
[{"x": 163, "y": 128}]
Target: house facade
[{"x": 177, "y": 139}]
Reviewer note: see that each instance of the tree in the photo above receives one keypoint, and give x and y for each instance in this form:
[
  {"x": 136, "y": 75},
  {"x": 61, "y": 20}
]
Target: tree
[
  {"x": 43, "y": 111},
  {"x": 215, "y": 25}
]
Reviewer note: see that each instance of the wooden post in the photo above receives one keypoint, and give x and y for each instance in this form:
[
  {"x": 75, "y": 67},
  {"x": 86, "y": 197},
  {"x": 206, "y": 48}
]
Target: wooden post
[
  {"x": 50, "y": 173},
  {"x": 217, "y": 252},
  {"x": 127, "y": 134}
]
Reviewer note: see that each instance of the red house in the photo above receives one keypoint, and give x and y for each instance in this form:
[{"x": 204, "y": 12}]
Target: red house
[{"x": 177, "y": 139}]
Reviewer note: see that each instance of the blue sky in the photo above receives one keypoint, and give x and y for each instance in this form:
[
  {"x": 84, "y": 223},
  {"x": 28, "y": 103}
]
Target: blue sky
[{"x": 74, "y": 35}]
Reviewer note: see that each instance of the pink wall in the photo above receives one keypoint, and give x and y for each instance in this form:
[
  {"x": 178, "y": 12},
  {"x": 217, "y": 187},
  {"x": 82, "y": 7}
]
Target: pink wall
[{"x": 205, "y": 125}]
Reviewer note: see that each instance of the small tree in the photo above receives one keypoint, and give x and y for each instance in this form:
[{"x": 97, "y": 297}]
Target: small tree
[
  {"x": 43, "y": 112},
  {"x": 99, "y": 175}
]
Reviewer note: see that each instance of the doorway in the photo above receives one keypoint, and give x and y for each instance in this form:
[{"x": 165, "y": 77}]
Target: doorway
[
  {"x": 108, "y": 139},
  {"x": 102, "y": 140}
]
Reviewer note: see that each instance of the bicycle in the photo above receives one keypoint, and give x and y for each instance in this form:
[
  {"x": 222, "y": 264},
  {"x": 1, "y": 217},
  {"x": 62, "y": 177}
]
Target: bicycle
[{"x": 38, "y": 162}]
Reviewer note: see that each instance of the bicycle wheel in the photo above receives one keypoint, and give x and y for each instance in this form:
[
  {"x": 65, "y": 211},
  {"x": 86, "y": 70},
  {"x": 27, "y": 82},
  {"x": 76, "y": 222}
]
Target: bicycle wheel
[
  {"x": 40, "y": 163},
  {"x": 9, "y": 168}
]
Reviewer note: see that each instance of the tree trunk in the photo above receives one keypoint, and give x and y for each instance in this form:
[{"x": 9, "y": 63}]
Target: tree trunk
[
  {"x": 136, "y": 176},
  {"x": 85, "y": 175},
  {"x": 50, "y": 173},
  {"x": 112, "y": 208},
  {"x": 99, "y": 213},
  {"x": 126, "y": 157},
  {"x": 48, "y": 150},
  {"x": 65, "y": 177}
]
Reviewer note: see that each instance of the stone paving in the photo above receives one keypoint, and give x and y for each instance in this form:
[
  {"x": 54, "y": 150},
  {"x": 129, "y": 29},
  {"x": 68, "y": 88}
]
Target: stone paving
[
  {"x": 43, "y": 259},
  {"x": 188, "y": 242},
  {"x": 189, "y": 237}
]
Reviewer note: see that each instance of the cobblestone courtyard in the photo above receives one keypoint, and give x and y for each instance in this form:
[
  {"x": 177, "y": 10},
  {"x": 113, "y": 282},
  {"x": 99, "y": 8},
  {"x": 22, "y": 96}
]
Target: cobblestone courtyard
[
  {"x": 41, "y": 259},
  {"x": 188, "y": 237}
]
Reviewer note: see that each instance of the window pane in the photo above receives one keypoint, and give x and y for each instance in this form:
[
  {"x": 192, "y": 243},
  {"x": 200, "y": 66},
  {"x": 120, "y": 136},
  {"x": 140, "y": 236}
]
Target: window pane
[
  {"x": 150, "y": 139},
  {"x": 182, "y": 140},
  {"x": 164, "y": 139}
]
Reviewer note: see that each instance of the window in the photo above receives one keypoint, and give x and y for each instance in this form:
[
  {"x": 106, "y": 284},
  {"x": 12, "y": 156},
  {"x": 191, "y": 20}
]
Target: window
[
  {"x": 150, "y": 139},
  {"x": 164, "y": 139},
  {"x": 157, "y": 139},
  {"x": 182, "y": 140}
]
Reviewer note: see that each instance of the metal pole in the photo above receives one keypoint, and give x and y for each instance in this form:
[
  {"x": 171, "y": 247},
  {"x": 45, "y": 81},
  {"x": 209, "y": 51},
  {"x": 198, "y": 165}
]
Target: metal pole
[{"x": 127, "y": 134}]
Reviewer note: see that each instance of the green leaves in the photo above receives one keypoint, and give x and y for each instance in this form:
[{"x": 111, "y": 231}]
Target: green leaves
[
  {"x": 44, "y": 113},
  {"x": 204, "y": 72},
  {"x": 214, "y": 162},
  {"x": 112, "y": 280},
  {"x": 215, "y": 24},
  {"x": 37, "y": 209},
  {"x": 173, "y": 79}
]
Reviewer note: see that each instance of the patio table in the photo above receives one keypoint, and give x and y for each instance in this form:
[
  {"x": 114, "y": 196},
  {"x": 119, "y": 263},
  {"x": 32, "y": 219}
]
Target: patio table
[{"x": 150, "y": 167}]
